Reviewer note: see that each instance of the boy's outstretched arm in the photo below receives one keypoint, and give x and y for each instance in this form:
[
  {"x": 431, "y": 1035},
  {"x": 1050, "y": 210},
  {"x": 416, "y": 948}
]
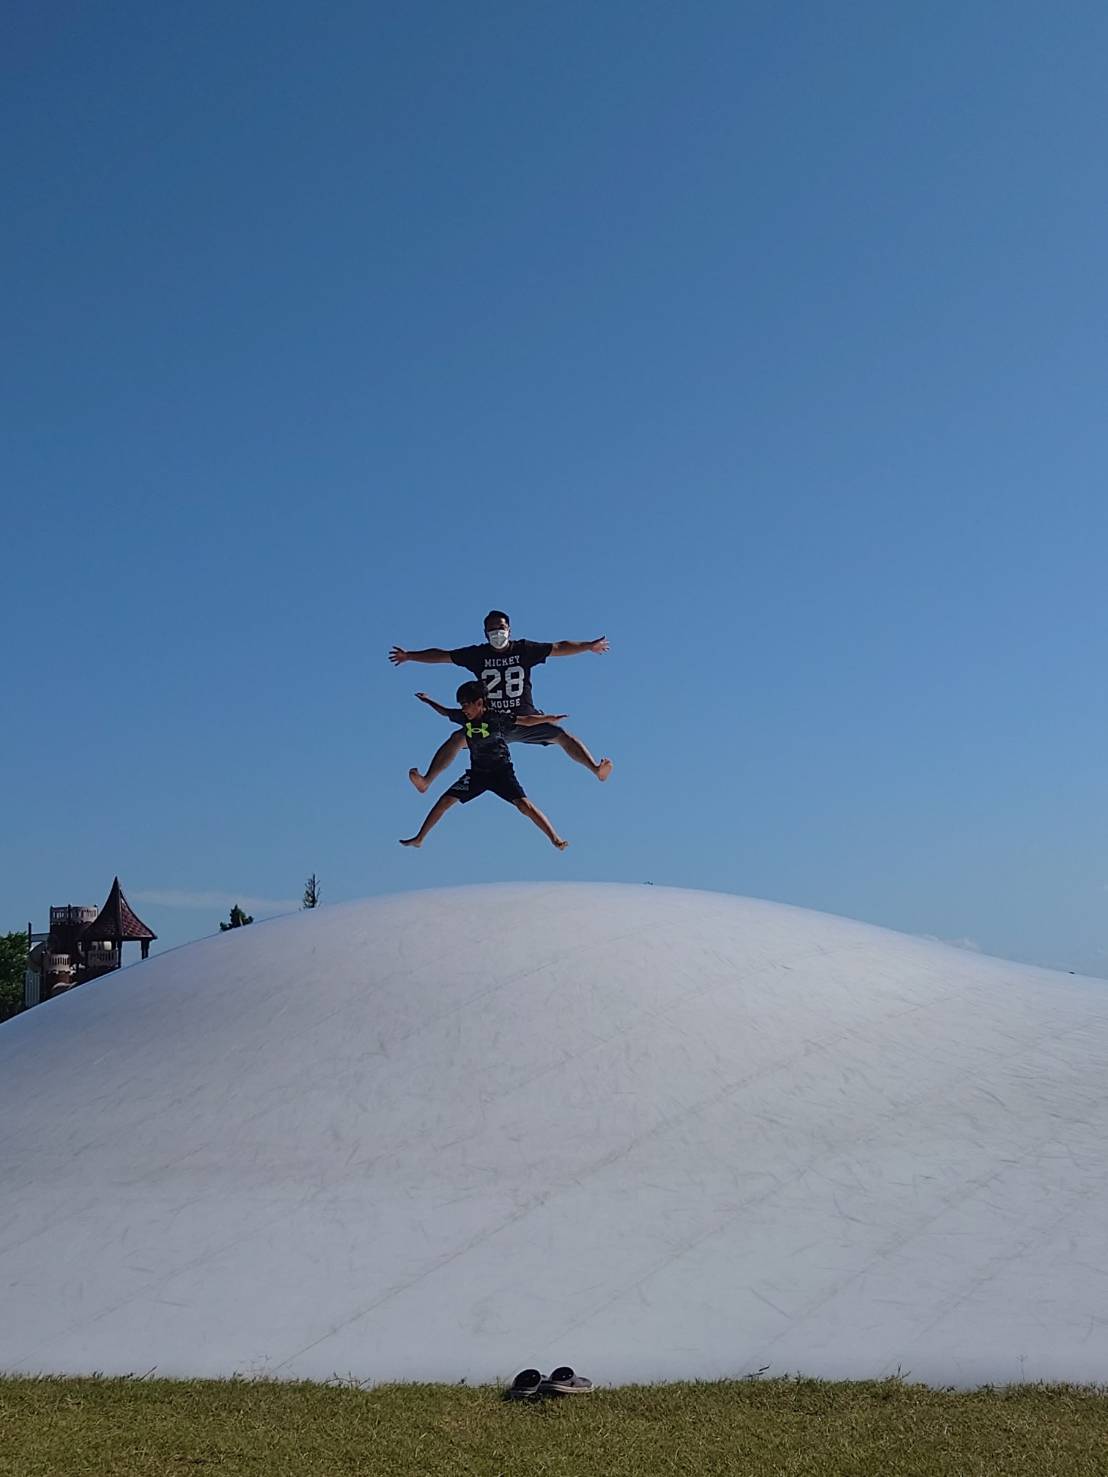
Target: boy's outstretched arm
[
  {"x": 398, "y": 655},
  {"x": 575, "y": 648},
  {"x": 532, "y": 720},
  {"x": 454, "y": 714}
]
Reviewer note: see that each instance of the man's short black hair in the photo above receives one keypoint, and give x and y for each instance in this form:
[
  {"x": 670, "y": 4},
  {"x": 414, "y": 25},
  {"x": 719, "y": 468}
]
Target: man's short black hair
[
  {"x": 496, "y": 615},
  {"x": 469, "y": 692}
]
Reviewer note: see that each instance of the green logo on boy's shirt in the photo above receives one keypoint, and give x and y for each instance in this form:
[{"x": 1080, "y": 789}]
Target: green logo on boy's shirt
[{"x": 477, "y": 730}]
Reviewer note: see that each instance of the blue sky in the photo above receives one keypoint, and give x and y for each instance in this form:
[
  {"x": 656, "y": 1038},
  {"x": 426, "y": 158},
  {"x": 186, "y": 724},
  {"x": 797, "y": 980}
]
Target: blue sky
[{"x": 767, "y": 340}]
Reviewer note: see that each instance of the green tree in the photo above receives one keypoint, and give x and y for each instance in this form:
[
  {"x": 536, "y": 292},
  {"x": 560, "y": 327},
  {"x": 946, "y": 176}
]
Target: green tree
[
  {"x": 13, "y": 963},
  {"x": 311, "y": 892},
  {"x": 238, "y": 919}
]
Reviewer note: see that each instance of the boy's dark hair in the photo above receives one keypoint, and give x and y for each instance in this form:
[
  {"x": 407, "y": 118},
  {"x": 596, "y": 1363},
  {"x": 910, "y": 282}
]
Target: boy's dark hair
[
  {"x": 497, "y": 615},
  {"x": 469, "y": 692}
]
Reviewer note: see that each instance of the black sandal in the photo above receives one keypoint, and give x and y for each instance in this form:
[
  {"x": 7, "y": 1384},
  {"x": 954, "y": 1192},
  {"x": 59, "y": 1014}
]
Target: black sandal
[
  {"x": 525, "y": 1386},
  {"x": 563, "y": 1381}
]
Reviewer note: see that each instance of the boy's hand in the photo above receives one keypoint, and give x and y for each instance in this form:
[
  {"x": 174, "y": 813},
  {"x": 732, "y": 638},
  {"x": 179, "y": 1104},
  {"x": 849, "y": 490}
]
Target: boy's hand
[
  {"x": 398, "y": 656},
  {"x": 424, "y": 698}
]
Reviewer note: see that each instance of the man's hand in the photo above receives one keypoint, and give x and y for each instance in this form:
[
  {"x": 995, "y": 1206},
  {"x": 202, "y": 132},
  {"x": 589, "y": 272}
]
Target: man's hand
[
  {"x": 576, "y": 648},
  {"x": 434, "y": 654}
]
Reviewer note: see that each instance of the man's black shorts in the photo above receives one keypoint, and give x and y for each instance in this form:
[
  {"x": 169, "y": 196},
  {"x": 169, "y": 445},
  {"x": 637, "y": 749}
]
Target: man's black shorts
[
  {"x": 501, "y": 781},
  {"x": 533, "y": 733}
]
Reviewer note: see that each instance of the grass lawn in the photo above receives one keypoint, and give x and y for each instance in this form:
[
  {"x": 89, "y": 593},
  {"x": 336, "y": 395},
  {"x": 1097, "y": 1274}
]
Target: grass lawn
[{"x": 128, "y": 1427}]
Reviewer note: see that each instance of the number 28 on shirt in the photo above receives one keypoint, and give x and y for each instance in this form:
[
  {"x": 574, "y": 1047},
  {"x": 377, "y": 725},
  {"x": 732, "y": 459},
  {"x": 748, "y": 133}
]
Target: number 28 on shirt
[{"x": 504, "y": 684}]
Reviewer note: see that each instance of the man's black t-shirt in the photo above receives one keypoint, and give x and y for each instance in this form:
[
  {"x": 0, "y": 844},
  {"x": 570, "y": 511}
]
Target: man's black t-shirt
[
  {"x": 488, "y": 748},
  {"x": 506, "y": 674}
]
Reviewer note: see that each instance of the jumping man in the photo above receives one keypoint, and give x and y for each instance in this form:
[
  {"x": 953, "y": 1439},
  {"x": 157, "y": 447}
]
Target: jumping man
[{"x": 505, "y": 666}]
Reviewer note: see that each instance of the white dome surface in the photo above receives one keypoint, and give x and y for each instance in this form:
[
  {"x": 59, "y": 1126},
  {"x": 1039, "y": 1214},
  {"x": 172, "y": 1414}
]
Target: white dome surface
[{"x": 650, "y": 1133}]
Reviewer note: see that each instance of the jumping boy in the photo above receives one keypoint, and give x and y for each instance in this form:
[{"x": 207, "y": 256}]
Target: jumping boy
[{"x": 490, "y": 764}]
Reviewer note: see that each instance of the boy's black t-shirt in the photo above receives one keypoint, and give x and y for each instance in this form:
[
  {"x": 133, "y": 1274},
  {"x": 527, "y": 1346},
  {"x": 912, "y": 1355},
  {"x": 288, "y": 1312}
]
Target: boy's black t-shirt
[
  {"x": 488, "y": 748},
  {"x": 506, "y": 674}
]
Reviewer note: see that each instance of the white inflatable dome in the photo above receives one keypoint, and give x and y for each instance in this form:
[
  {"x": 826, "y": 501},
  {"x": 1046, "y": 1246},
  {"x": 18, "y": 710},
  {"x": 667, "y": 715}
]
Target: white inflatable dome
[{"x": 653, "y": 1134}]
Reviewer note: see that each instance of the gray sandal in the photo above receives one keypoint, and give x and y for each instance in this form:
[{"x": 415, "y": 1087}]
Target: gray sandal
[
  {"x": 563, "y": 1381},
  {"x": 525, "y": 1386}
]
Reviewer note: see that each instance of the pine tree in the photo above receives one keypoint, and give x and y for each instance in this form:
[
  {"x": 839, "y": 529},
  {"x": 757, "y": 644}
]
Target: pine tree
[
  {"x": 311, "y": 892},
  {"x": 238, "y": 919}
]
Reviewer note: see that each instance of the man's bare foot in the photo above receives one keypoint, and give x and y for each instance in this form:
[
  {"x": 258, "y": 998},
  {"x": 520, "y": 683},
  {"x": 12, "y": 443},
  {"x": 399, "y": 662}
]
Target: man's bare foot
[
  {"x": 411, "y": 841},
  {"x": 603, "y": 769},
  {"x": 559, "y": 843},
  {"x": 423, "y": 785}
]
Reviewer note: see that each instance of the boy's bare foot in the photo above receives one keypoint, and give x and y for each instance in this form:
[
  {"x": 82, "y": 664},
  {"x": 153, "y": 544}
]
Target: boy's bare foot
[
  {"x": 560, "y": 844},
  {"x": 411, "y": 841},
  {"x": 603, "y": 769},
  {"x": 423, "y": 785}
]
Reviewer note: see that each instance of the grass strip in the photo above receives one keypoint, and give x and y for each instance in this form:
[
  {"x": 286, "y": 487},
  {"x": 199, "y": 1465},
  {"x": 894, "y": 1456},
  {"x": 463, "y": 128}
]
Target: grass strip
[{"x": 53, "y": 1427}]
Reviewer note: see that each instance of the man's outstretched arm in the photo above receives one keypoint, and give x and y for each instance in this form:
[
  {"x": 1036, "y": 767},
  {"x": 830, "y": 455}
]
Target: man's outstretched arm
[
  {"x": 533, "y": 720},
  {"x": 398, "y": 655},
  {"x": 575, "y": 648}
]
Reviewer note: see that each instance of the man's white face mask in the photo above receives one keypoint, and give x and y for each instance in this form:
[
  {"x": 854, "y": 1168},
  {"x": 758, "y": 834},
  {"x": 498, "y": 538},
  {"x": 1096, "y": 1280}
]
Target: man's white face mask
[{"x": 499, "y": 637}]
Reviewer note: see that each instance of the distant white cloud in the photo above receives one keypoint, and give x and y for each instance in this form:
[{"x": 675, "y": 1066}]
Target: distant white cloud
[
  {"x": 970, "y": 944},
  {"x": 1095, "y": 963},
  {"x": 172, "y": 897}
]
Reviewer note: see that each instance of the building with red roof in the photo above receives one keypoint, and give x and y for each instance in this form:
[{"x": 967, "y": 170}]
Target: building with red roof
[{"x": 82, "y": 943}]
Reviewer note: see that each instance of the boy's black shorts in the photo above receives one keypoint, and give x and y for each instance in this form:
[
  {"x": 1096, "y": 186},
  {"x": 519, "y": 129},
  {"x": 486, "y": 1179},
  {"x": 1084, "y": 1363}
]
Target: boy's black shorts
[{"x": 501, "y": 781}]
